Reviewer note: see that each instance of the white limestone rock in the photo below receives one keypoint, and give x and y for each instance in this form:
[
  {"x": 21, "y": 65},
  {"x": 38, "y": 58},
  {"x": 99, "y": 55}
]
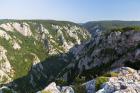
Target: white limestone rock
[
  {"x": 128, "y": 81},
  {"x": 23, "y": 28},
  {"x": 4, "y": 35},
  {"x": 16, "y": 45},
  {"x": 7, "y": 27},
  {"x": 51, "y": 88},
  {"x": 67, "y": 89},
  {"x": 6, "y": 71}
]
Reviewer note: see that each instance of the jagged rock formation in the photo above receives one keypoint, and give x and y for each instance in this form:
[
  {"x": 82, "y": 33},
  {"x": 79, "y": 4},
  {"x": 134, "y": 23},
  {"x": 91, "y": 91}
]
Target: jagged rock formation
[
  {"x": 127, "y": 81},
  {"x": 52, "y": 88},
  {"x": 109, "y": 50},
  {"x": 26, "y": 45}
]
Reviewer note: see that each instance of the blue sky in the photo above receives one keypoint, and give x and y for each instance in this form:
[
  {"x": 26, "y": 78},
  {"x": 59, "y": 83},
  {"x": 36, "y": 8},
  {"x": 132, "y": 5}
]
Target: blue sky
[{"x": 71, "y": 10}]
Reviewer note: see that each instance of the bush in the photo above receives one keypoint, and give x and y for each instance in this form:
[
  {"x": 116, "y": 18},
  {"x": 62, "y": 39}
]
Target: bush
[
  {"x": 79, "y": 89},
  {"x": 79, "y": 80},
  {"x": 6, "y": 91},
  {"x": 61, "y": 82},
  {"x": 100, "y": 81}
]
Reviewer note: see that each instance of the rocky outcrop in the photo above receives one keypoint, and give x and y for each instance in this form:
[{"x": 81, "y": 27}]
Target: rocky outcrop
[
  {"x": 128, "y": 81},
  {"x": 112, "y": 50},
  {"x": 16, "y": 45},
  {"x": 90, "y": 86},
  {"x": 63, "y": 36},
  {"x": 6, "y": 70},
  {"x": 22, "y": 28},
  {"x": 4, "y": 35},
  {"x": 52, "y": 88}
]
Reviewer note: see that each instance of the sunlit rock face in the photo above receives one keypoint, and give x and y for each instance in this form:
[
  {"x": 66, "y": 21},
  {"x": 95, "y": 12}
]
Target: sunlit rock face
[
  {"x": 6, "y": 70},
  {"x": 4, "y": 35},
  {"x": 22, "y": 28}
]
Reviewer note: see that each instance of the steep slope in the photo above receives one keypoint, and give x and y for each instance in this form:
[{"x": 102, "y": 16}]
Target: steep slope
[
  {"x": 24, "y": 44},
  {"x": 103, "y": 53}
]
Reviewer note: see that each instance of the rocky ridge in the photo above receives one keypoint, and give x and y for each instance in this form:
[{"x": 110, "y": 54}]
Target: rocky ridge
[
  {"x": 110, "y": 50},
  {"x": 127, "y": 80}
]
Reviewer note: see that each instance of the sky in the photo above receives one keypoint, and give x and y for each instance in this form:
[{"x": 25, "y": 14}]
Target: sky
[{"x": 71, "y": 10}]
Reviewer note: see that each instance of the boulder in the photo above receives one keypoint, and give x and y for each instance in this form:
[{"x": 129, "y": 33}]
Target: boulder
[{"x": 128, "y": 81}]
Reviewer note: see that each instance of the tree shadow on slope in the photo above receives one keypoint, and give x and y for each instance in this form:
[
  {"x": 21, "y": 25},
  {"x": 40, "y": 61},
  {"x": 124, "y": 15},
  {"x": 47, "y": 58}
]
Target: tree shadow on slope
[{"x": 41, "y": 74}]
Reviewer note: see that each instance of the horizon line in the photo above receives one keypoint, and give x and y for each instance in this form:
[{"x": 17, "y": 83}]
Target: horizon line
[{"x": 65, "y": 20}]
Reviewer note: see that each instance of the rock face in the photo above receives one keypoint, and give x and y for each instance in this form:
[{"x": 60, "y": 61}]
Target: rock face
[
  {"x": 90, "y": 86},
  {"x": 6, "y": 70},
  {"x": 4, "y": 35},
  {"x": 128, "y": 81},
  {"x": 22, "y": 28},
  {"x": 109, "y": 50}
]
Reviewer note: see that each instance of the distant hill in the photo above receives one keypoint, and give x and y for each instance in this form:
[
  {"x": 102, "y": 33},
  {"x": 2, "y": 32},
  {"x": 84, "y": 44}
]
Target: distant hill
[{"x": 95, "y": 27}]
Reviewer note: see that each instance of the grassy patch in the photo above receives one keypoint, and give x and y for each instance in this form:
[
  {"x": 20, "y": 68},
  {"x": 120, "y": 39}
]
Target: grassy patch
[{"x": 111, "y": 74}]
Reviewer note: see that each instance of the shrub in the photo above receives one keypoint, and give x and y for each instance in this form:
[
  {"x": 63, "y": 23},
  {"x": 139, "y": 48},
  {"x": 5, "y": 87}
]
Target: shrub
[
  {"x": 61, "y": 82},
  {"x": 79, "y": 80},
  {"x": 79, "y": 89},
  {"x": 100, "y": 81},
  {"x": 6, "y": 91},
  {"x": 111, "y": 74}
]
